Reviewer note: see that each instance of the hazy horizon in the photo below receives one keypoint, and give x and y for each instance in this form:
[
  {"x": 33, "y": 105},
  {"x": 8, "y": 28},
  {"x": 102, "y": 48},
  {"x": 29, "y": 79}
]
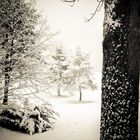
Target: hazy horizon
[{"x": 74, "y": 31}]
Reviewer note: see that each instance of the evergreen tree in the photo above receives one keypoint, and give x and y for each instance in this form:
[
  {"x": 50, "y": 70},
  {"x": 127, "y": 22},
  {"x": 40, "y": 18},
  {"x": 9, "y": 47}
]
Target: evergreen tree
[
  {"x": 82, "y": 72},
  {"x": 17, "y": 39},
  {"x": 58, "y": 69}
]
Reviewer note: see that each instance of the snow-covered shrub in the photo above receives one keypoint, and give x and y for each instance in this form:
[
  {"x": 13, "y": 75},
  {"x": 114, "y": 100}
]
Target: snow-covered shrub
[{"x": 35, "y": 119}]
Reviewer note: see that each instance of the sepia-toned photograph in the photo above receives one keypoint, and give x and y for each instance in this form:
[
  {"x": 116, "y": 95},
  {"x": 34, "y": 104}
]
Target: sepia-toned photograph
[{"x": 69, "y": 69}]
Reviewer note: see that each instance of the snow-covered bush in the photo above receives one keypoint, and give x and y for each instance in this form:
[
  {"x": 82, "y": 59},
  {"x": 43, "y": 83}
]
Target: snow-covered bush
[{"x": 35, "y": 119}]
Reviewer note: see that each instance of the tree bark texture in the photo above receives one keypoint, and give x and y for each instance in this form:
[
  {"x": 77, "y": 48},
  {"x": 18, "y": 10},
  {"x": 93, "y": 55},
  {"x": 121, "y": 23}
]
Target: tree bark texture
[
  {"x": 119, "y": 109},
  {"x": 8, "y": 63},
  {"x": 7, "y": 69}
]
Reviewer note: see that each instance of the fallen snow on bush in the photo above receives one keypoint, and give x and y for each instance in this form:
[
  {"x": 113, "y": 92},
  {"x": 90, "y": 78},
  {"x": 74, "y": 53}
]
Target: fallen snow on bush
[{"x": 32, "y": 119}]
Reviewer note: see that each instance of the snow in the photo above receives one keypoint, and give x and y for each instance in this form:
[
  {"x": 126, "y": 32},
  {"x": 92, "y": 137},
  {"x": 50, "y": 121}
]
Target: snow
[
  {"x": 111, "y": 23},
  {"x": 77, "y": 120}
]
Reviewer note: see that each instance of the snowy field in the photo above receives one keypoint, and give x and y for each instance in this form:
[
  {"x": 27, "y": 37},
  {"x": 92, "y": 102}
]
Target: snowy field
[{"x": 77, "y": 120}]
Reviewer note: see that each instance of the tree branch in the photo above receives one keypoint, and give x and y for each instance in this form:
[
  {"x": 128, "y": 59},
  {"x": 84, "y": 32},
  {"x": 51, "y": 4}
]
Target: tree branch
[
  {"x": 98, "y": 8},
  {"x": 70, "y": 1}
]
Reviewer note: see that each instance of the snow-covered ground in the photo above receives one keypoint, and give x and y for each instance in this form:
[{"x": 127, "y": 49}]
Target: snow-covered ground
[{"x": 77, "y": 120}]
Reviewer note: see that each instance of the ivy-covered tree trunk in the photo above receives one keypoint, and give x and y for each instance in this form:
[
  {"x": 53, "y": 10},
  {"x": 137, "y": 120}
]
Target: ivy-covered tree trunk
[{"x": 120, "y": 82}]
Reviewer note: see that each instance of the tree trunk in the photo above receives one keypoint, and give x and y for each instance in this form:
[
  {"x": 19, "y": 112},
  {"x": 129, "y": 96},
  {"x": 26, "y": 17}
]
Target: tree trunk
[
  {"x": 6, "y": 89},
  {"x": 7, "y": 79},
  {"x": 59, "y": 90},
  {"x": 7, "y": 68},
  {"x": 80, "y": 91},
  {"x": 119, "y": 109}
]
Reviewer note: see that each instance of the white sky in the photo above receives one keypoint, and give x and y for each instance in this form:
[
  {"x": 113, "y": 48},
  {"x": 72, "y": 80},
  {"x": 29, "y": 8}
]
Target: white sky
[{"x": 73, "y": 30}]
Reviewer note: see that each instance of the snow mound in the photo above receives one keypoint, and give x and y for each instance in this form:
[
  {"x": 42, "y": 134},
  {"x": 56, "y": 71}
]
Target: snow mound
[{"x": 34, "y": 119}]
